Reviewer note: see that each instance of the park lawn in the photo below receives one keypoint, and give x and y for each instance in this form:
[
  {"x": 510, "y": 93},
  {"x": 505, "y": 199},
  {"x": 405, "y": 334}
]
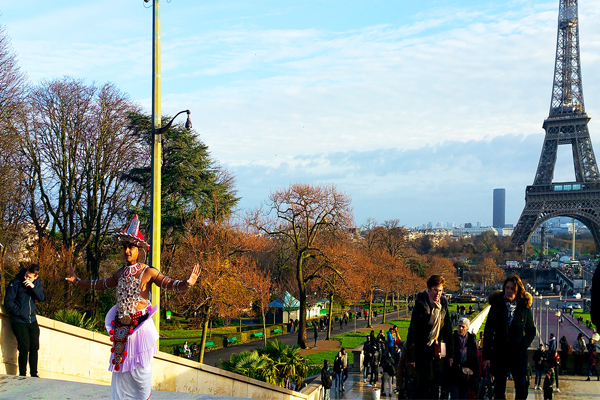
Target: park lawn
[
  {"x": 580, "y": 313},
  {"x": 351, "y": 340},
  {"x": 187, "y": 333},
  {"x": 481, "y": 328},
  {"x": 317, "y": 358}
]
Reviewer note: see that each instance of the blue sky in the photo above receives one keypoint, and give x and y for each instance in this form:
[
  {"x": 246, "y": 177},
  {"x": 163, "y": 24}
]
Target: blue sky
[{"x": 418, "y": 110}]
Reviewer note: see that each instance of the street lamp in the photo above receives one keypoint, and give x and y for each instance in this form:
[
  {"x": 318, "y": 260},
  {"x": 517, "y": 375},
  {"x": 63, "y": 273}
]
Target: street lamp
[
  {"x": 557, "y": 324},
  {"x": 547, "y": 327},
  {"x": 540, "y": 306},
  {"x": 157, "y": 132}
]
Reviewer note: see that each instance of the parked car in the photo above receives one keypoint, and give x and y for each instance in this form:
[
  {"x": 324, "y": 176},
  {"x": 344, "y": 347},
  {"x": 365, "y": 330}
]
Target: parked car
[{"x": 574, "y": 306}]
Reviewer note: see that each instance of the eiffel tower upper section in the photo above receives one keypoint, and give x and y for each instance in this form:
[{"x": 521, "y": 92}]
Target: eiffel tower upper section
[
  {"x": 567, "y": 121},
  {"x": 567, "y": 124}
]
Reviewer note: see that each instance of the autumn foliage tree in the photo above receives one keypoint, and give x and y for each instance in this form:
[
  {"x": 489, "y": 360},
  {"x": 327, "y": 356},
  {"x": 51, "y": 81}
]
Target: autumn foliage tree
[
  {"x": 300, "y": 215},
  {"x": 335, "y": 283},
  {"x": 224, "y": 254}
]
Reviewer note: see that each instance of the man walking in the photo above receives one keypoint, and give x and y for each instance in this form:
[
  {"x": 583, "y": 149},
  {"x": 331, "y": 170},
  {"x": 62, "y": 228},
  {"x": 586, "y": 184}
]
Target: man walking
[
  {"x": 429, "y": 338},
  {"x": 22, "y": 293},
  {"x": 578, "y": 350}
]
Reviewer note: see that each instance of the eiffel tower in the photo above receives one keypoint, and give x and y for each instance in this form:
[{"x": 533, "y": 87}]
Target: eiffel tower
[{"x": 566, "y": 125}]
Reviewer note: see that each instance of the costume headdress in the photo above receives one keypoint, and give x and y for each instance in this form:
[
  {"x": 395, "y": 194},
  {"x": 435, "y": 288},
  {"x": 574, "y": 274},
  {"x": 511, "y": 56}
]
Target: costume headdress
[{"x": 133, "y": 235}]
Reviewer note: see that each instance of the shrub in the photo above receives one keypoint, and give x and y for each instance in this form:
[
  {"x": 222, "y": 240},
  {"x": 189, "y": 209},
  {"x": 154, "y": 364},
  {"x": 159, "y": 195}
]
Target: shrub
[{"x": 74, "y": 317}]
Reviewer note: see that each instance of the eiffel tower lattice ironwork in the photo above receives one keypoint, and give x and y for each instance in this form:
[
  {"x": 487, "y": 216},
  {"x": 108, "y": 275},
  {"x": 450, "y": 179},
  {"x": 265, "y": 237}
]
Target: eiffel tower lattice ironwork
[{"x": 567, "y": 124}]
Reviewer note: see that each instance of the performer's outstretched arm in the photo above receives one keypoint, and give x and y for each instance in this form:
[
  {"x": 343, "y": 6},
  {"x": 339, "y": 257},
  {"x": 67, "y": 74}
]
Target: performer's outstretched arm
[
  {"x": 96, "y": 284},
  {"x": 164, "y": 282}
]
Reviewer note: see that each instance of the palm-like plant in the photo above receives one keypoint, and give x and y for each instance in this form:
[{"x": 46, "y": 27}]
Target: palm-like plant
[
  {"x": 74, "y": 317},
  {"x": 288, "y": 362},
  {"x": 272, "y": 364}
]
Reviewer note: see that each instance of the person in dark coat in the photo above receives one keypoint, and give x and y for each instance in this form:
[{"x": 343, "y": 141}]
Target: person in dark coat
[
  {"x": 509, "y": 330},
  {"x": 337, "y": 372},
  {"x": 539, "y": 359},
  {"x": 464, "y": 373},
  {"x": 326, "y": 379},
  {"x": 564, "y": 354},
  {"x": 21, "y": 294},
  {"x": 430, "y": 330},
  {"x": 316, "y": 333},
  {"x": 368, "y": 351},
  {"x": 548, "y": 385},
  {"x": 375, "y": 361}
]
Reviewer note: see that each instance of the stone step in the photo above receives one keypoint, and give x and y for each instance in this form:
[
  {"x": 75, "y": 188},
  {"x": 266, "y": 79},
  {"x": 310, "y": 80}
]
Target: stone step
[{"x": 24, "y": 388}]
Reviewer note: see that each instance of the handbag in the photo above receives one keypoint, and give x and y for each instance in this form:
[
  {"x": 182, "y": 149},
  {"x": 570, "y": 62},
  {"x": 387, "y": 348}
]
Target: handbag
[{"x": 439, "y": 349}]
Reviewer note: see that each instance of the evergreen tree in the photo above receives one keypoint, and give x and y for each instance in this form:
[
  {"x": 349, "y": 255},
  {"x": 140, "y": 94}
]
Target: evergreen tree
[{"x": 192, "y": 182}]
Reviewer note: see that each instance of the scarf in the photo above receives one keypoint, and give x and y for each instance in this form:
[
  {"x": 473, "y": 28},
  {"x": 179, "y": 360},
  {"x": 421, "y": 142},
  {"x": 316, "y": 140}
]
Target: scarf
[
  {"x": 435, "y": 321},
  {"x": 511, "y": 307},
  {"x": 463, "y": 349}
]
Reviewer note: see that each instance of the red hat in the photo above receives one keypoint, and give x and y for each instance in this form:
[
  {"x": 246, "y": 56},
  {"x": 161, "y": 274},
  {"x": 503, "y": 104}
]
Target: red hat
[{"x": 133, "y": 235}]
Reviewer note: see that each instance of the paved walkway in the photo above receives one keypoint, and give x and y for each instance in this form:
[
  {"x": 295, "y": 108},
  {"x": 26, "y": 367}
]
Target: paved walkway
[
  {"x": 572, "y": 388},
  {"x": 22, "y": 388},
  {"x": 214, "y": 357}
]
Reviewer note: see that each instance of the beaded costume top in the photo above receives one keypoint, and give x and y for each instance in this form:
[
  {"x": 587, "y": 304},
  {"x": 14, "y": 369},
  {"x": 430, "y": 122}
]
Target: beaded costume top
[{"x": 129, "y": 288}]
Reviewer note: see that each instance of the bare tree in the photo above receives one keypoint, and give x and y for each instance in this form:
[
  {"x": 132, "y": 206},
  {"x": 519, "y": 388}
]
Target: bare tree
[
  {"x": 78, "y": 146},
  {"x": 300, "y": 214},
  {"x": 12, "y": 193}
]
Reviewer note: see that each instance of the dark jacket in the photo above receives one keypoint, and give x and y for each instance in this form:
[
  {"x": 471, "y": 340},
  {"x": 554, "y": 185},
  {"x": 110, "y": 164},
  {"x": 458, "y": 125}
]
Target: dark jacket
[
  {"x": 20, "y": 300},
  {"x": 504, "y": 344},
  {"x": 419, "y": 329},
  {"x": 325, "y": 378},
  {"x": 337, "y": 366},
  {"x": 368, "y": 351},
  {"x": 472, "y": 358},
  {"x": 539, "y": 359},
  {"x": 388, "y": 364},
  {"x": 377, "y": 352}
]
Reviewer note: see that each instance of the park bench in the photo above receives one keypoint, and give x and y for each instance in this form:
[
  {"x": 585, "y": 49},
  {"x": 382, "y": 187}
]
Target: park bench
[
  {"x": 231, "y": 340},
  {"x": 257, "y": 334},
  {"x": 278, "y": 330},
  {"x": 210, "y": 345}
]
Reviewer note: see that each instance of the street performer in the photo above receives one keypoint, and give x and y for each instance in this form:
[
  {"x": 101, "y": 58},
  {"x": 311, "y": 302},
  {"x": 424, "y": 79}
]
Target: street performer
[{"x": 129, "y": 322}]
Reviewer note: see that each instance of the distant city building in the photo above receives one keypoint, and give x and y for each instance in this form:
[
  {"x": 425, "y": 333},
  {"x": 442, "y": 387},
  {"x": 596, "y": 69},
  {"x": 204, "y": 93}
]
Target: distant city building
[
  {"x": 499, "y": 208},
  {"x": 506, "y": 231},
  {"x": 474, "y": 231}
]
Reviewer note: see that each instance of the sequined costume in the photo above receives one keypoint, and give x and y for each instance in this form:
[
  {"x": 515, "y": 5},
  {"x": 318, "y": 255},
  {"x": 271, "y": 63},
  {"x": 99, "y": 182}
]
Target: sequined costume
[{"x": 134, "y": 337}]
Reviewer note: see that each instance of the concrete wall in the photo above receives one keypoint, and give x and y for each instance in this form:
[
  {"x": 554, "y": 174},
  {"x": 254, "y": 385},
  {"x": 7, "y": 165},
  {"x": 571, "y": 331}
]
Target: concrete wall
[
  {"x": 478, "y": 320},
  {"x": 75, "y": 354}
]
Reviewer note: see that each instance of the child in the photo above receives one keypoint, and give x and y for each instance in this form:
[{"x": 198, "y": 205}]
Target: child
[{"x": 548, "y": 383}]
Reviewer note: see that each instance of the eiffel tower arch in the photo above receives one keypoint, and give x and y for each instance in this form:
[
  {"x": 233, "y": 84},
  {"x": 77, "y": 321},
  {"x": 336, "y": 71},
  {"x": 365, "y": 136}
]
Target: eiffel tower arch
[{"x": 567, "y": 124}]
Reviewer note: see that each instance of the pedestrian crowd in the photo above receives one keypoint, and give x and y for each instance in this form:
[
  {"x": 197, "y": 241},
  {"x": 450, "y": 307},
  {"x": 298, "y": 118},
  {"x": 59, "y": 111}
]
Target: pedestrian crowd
[{"x": 437, "y": 362}]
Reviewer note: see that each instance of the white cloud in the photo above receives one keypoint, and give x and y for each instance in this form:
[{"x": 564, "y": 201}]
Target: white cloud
[{"x": 397, "y": 114}]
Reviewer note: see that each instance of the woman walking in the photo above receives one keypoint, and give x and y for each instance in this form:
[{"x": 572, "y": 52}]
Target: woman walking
[{"x": 464, "y": 372}]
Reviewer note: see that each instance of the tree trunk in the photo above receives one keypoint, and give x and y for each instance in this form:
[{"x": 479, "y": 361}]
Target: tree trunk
[
  {"x": 264, "y": 326},
  {"x": 370, "y": 310},
  {"x": 330, "y": 317},
  {"x": 302, "y": 342},
  {"x": 384, "y": 306},
  {"x": 203, "y": 341}
]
